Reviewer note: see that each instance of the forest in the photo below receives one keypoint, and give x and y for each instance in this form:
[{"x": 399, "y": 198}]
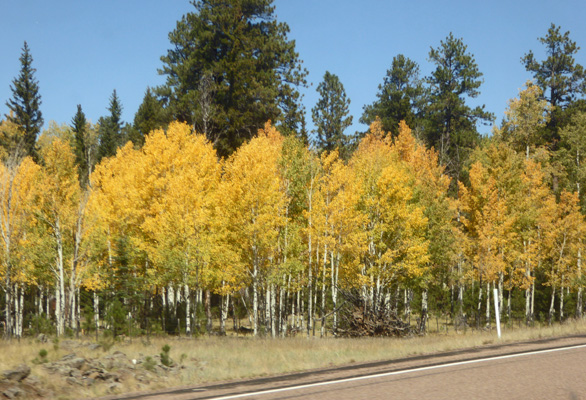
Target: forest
[{"x": 217, "y": 210}]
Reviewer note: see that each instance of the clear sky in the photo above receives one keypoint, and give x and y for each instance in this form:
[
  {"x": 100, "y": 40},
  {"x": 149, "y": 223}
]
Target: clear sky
[{"x": 84, "y": 49}]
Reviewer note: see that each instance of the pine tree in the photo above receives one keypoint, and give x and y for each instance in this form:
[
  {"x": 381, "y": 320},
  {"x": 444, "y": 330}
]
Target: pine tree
[
  {"x": 25, "y": 102},
  {"x": 558, "y": 75},
  {"x": 560, "y": 78},
  {"x": 234, "y": 60},
  {"x": 111, "y": 129},
  {"x": 400, "y": 97},
  {"x": 150, "y": 116},
  {"x": 452, "y": 123},
  {"x": 330, "y": 114},
  {"x": 79, "y": 126}
]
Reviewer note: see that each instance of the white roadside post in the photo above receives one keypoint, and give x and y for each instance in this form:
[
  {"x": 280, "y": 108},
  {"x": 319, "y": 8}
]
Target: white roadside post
[{"x": 497, "y": 313}]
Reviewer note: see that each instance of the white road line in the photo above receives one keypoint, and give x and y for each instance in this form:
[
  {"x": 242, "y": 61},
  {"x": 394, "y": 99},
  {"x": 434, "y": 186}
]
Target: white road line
[{"x": 360, "y": 378}]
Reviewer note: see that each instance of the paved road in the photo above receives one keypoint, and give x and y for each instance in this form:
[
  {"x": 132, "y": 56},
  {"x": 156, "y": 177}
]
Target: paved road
[{"x": 547, "y": 369}]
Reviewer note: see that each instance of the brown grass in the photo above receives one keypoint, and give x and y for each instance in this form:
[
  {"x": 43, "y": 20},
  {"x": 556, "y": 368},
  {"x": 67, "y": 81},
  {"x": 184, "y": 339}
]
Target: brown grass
[{"x": 215, "y": 358}]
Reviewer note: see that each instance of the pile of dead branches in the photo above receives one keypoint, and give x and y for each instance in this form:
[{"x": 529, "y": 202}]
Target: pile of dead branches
[{"x": 359, "y": 319}]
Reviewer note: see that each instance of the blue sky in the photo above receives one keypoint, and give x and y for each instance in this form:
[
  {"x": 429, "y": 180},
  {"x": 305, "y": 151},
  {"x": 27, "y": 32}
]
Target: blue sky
[{"x": 84, "y": 49}]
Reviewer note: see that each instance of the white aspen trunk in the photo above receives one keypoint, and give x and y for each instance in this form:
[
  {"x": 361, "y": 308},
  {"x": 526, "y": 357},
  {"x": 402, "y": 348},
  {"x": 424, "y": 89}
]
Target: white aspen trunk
[
  {"x": 273, "y": 309},
  {"x": 282, "y": 324},
  {"x": 479, "y": 303},
  {"x": 267, "y": 309},
  {"x": 551, "y": 305},
  {"x": 423, "y": 321},
  {"x": 225, "y": 304},
  {"x": 171, "y": 296},
  {"x": 335, "y": 291},
  {"x": 58, "y": 309},
  {"x": 18, "y": 303},
  {"x": 408, "y": 298},
  {"x": 299, "y": 324},
  {"x": 48, "y": 303},
  {"x": 376, "y": 295},
  {"x": 301, "y": 313},
  {"x": 562, "y": 303},
  {"x": 187, "y": 293},
  {"x": 323, "y": 294},
  {"x": 255, "y": 298},
  {"x": 310, "y": 255},
  {"x": 309, "y": 302},
  {"x": 487, "y": 304},
  {"x": 532, "y": 300},
  {"x": 500, "y": 291},
  {"x": 60, "y": 287},
  {"x": 96, "y": 311},
  {"x": 78, "y": 310},
  {"x": 72, "y": 307},
  {"x": 21, "y": 312},
  {"x": 41, "y": 300},
  {"x": 579, "y": 294}
]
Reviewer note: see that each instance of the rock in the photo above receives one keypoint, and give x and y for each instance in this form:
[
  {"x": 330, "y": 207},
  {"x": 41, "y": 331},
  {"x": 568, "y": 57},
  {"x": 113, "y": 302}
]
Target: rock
[
  {"x": 142, "y": 378},
  {"x": 42, "y": 338},
  {"x": 76, "y": 363},
  {"x": 115, "y": 387},
  {"x": 73, "y": 381},
  {"x": 12, "y": 393},
  {"x": 93, "y": 346},
  {"x": 18, "y": 374},
  {"x": 33, "y": 380}
]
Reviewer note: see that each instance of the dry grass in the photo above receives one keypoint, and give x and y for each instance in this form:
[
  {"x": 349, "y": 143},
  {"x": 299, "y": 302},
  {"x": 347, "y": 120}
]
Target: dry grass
[{"x": 215, "y": 358}]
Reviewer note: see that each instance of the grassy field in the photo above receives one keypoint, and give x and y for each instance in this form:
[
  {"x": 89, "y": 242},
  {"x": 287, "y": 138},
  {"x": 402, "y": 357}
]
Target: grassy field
[{"x": 210, "y": 359}]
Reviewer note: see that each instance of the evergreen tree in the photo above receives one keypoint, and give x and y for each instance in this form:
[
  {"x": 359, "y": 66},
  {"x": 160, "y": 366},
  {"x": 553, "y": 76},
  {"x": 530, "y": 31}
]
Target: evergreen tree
[
  {"x": 110, "y": 129},
  {"x": 79, "y": 126},
  {"x": 150, "y": 116},
  {"x": 330, "y": 115},
  {"x": 232, "y": 68},
  {"x": 400, "y": 97},
  {"x": 451, "y": 124},
  {"x": 25, "y": 102},
  {"x": 559, "y": 76}
]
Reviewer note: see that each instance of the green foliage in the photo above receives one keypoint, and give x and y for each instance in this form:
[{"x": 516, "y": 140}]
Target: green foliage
[
  {"x": 558, "y": 74},
  {"x": 451, "y": 123},
  {"x": 232, "y": 68},
  {"x": 330, "y": 115},
  {"x": 401, "y": 97},
  {"x": 79, "y": 126},
  {"x": 25, "y": 103},
  {"x": 116, "y": 317},
  {"x": 150, "y": 116},
  {"x": 40, "y": 324},
  {"x": 42, "y": 358},
  {"x": 110, "y": 130},
  {"x": 165, "y": 356},
  {"x": 149, "y": 364}
]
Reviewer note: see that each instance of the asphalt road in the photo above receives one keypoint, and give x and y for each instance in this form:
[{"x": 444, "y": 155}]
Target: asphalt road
[{"x": 545, "y": 369}]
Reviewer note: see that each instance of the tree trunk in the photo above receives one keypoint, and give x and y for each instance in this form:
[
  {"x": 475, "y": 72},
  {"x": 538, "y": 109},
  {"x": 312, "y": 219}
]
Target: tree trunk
[
  {"x": 60, "y": 287},
  {"x": 562, "y": 303},
  {"x": 423, "y": 318},
  {"x": 225, "y": 305},
  {"x": 579, "y": 294},
  {"x": 273, "y": 306},
  {"x": 187, "y": 294},
  {"x": 255, "y": 299},
  {"x": 335, "y": 269},
  {"x": 208, "y": 302},
  {"x": 551, "y": 306},
  {"x": 487, "y": 304}
]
